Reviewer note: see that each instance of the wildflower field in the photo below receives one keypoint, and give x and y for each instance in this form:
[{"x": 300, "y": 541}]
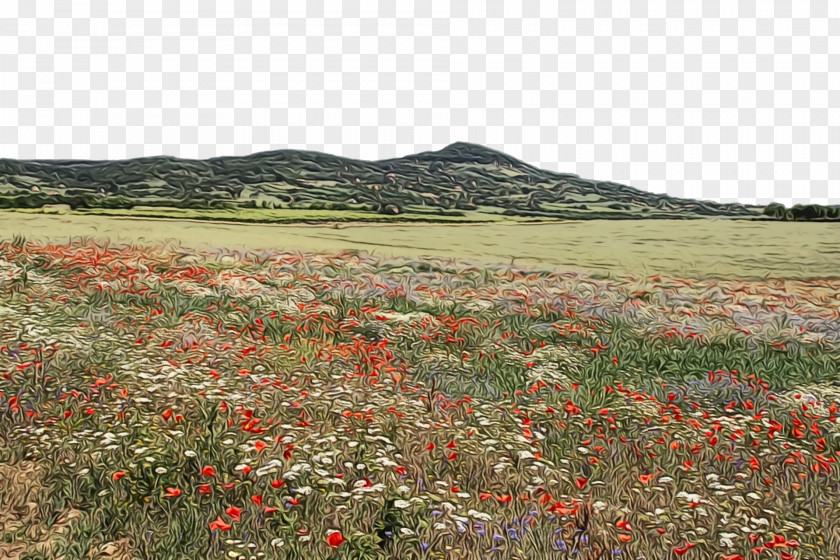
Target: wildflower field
[{"x": 167, "y": 403}]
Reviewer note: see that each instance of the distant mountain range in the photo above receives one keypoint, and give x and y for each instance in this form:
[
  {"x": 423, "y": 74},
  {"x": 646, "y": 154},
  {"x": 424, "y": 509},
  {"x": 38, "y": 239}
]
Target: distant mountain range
[{"x": 460, "y": 182}]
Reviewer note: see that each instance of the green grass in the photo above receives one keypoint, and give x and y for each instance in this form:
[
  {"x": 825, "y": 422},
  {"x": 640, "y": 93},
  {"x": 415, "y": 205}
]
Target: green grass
[
  {"x": 698, "y": 248},
  {"x": 269, "y": 215}
]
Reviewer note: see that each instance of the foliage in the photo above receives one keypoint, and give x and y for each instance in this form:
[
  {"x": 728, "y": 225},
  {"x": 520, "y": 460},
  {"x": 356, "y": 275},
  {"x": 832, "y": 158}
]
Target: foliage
[{"x": 461, "y": 179}]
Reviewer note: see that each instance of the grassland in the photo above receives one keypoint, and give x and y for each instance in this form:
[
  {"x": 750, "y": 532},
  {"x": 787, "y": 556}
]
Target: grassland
[
  {"x": 164, "y": 403},
  {"x": 696, "y": 248},
  {"x": 270, "y": 215}
]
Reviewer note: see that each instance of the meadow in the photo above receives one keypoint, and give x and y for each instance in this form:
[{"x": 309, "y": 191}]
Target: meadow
[
  {"x": 161, "y": 401},
  {"x": 698, "y": 248}
]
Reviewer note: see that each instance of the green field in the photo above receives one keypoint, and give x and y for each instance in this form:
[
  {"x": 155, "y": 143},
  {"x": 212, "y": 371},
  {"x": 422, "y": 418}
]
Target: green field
[{"x": 697, "y": 248}]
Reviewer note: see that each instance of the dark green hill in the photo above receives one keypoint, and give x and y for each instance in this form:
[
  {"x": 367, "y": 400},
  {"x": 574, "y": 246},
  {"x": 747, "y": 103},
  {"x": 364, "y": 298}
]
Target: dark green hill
[{"x": 462, "y": 180}]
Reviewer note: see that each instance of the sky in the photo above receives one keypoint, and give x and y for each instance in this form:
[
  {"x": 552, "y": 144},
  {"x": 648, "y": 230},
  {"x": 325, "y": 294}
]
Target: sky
[{"x": 722, "y": 100}]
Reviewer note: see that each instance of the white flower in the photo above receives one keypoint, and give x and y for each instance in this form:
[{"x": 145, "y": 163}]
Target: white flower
[
  {"x": 402, "y": 504},
  {"x": 728, "y": 539},
  {"x": 190, "y": 453},
  {"x": 479, "y": 515},
  {"x": 161, "y": 470}
]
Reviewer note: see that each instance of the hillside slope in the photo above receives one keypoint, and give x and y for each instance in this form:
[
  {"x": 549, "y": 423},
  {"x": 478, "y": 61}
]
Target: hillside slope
[{"x": 459, "y": 180}]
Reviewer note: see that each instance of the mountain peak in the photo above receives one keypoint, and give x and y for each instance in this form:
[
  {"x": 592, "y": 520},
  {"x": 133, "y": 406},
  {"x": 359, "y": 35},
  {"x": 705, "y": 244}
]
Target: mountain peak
[{"x": 467, "y": 152}]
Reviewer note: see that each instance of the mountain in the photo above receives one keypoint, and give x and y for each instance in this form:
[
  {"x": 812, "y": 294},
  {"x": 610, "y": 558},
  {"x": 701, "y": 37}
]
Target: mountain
[{"x": 461, "y": 181}]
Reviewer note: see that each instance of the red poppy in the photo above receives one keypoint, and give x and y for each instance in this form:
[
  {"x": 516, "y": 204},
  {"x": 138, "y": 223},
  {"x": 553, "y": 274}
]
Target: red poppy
[
  {"x": 208, "y": 471},
  {"x": 732, "y": 557},
  {"x": 233, "y": 512},
  {"x": 172, "y": 493},
  {"x": 118, "y": 475},
  {"x": 645, "y": 478},
  {"x": 204, "y": 489},
  {"x": 270, "y": 510},
  {"x": 581, "y": 482},
  {"x": 260, "y": 445},
  {"x": 219, "y": 523},
  {"x": 683, "y": 550},
  {"x": 257, "y": 499},
  {"x": 335, "y": 538}
]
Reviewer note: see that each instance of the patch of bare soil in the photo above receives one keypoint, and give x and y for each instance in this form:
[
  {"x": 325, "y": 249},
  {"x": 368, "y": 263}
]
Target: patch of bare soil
[{"x": 23, "y": 524}]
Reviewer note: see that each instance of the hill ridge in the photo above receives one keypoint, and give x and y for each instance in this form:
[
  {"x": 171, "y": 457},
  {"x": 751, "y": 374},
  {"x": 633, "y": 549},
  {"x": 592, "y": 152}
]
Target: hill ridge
[{"x": 462, "y": 180}]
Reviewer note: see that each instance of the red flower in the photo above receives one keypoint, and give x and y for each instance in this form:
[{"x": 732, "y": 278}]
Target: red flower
[
  {"x": 208, "y": 471},
  {"x": 270, "y": 510},
  {"x": 167, "y": 414},
  {"x": 260, "y": 445},
  {"x": 334, "y": 539},
  {"x": 172, "y": 493},
  {"x": 233, "y": 512},
  {"x": 581, "y": 482},
  {"x": 219, "y": 523},
  {"x": 732, "y": 557},
  {"x": 204, "y": 489},
  {"x": 118, "y": 475},
  {"x": 645, "y": 478},
  {"x": 683, "y": 550},
  {"x": 257, "y": 499}
]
